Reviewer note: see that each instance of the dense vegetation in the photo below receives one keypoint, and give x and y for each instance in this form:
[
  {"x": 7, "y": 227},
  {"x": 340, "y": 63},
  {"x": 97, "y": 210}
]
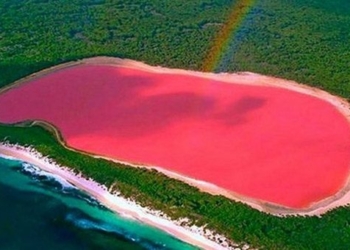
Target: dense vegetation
[
  {"x": 177, "y": 199},
  {"x": 36, "y": 34},
  {"x": 303, "y": 40}
]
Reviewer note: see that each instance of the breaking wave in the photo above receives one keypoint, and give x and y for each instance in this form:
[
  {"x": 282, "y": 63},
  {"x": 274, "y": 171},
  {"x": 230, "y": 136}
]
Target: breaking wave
[
  {"x": 56, "y": 183},
  {"x": 81, "y": 221}
]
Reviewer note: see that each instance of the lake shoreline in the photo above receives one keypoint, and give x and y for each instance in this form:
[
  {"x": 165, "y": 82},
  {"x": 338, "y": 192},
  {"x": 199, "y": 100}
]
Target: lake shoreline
[{"x": 319, "y": 207}]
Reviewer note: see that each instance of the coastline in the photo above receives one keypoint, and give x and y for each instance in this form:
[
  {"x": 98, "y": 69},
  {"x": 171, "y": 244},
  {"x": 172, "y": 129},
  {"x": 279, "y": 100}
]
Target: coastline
[
  {"x": 193, "y": 235},
  {"x": 340, "y": 198}
]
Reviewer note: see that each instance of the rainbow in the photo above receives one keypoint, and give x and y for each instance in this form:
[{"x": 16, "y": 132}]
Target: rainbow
[{"x": 227, "y": 33}]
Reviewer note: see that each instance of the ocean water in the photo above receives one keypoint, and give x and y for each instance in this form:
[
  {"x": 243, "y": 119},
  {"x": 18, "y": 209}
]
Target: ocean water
[{"x": 41, "y": 211}]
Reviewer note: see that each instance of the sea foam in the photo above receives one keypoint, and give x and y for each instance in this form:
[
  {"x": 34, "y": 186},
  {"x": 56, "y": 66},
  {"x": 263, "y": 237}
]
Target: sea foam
[{"x": 35, "y": 171}]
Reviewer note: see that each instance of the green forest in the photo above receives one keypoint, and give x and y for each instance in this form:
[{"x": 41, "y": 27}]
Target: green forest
[{"x": 303, "y": 40}]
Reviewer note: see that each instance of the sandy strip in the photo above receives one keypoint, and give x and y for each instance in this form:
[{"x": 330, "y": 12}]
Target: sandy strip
[
  {"x": 116, "y": 203},
  {"x": 341, "y": 198}
]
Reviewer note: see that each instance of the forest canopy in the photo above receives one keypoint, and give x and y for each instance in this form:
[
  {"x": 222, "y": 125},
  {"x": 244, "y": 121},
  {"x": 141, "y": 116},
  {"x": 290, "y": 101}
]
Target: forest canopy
[{"x": 307, "y": 41}]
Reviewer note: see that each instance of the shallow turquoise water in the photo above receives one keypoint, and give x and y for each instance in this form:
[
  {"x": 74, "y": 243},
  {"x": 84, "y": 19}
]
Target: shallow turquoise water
[{"x": 40, "y": 211}]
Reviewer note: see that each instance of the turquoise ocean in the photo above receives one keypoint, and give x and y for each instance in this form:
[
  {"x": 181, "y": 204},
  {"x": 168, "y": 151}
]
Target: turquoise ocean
[{"x": 39, "y": 210}]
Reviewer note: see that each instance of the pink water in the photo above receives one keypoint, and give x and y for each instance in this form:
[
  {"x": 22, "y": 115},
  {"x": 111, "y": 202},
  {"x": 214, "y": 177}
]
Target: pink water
[{"x": 266, "y": 143}]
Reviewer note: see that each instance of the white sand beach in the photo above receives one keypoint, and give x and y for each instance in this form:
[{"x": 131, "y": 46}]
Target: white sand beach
[{"x": 200, "y": 237}]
